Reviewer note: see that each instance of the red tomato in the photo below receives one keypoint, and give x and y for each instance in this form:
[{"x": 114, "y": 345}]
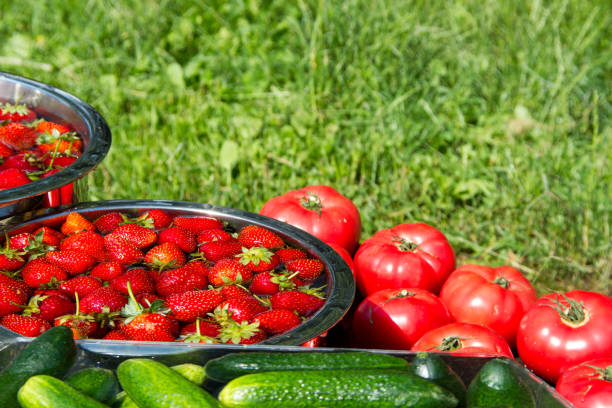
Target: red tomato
[
  {"x": 396, "y": 318},
  {"x": 344, "y": 254},
  {"x": 320, "y": 211},
  {"x": 588, "y": 385},
  {"x": 562, "y": 330},
  {"x": 464, "y": 339},
  {"x": 405, "y": 256},
  {"x": 493, "y": 297}
]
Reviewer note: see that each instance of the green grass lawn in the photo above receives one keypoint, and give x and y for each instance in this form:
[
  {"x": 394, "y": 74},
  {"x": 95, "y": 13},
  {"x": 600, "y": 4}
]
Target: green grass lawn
[{"x": 487, "y": 119}]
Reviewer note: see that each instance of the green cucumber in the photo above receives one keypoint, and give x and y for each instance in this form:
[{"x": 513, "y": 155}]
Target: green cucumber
[
  {"x": 52, "y": 353},
  {"x": 98, "y": 383},
  {"x": 151, "y": 384},
  {"x": 234, "y": 365},
  {"x": 43, "y": 391},
  {"x": 347, "y": 388},
  {"x": 431, "y": 367},
  {"x": 498, "y": 385}
]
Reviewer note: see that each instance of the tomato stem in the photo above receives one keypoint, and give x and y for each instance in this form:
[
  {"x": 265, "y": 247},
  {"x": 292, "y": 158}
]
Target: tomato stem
[
  {"x": 573, "y": 313},
  {"x": 312, "y": 202},
  {"x": 452, "y": 343},
  {"x": 403, "y": 244},
  {"x": 606, "y": 373},
  {"x": 401, "y": 294},
  {"x": 503, "y": 282}
]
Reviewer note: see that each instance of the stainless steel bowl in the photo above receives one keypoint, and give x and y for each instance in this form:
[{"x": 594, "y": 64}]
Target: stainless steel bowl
[
  {"x": 338, "y": 278},
  {"x": 58, "y": 106}
]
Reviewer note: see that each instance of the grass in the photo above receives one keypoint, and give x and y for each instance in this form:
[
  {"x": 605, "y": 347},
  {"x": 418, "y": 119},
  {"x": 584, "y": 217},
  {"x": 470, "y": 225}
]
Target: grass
[{"x": 489, "y": 120}]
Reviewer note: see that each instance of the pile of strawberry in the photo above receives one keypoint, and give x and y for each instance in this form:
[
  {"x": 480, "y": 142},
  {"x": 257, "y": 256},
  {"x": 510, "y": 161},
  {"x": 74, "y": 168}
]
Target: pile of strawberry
[
  {"x": 154, "y": 277},
  {"x": 32, "y": 148}
]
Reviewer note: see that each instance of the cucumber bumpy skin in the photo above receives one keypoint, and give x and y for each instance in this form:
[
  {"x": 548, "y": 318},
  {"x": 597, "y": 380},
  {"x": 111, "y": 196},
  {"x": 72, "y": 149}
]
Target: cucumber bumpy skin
[
  {"x": 497, "y": 385},
  {"x": 98, "y": 383},
  {"x": 431, "y": 367},
  {"x": 43, "y": 391}
]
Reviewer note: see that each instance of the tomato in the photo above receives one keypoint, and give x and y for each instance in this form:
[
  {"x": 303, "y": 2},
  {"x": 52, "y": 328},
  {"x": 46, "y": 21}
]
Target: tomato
[
  {"x": 562, "y": 330},
  {"x": 464, "y": 339},
  {"x": 344, "y": 254},
  {"x": 406, "y": 256},
  {"x": 396, "y": 318},
  {"x": 321, "y": 211},
  {"x": 588, "y": 385},
  {"x": 493, "y": 297}
]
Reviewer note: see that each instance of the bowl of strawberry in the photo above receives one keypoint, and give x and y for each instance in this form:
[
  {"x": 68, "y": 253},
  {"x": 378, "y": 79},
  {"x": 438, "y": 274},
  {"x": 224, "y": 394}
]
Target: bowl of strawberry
[
  {"x": 118, "y": 272},
  {"x": 49, "y": 140}
]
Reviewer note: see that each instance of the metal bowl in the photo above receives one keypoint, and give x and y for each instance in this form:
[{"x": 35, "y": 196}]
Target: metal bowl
[
  {"x": 338, "y": 278},
  {"x": 58, "y": 106}
]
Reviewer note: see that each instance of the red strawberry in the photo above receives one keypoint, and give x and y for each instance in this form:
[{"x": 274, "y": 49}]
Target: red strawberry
[
  {"x": 258, "y": 259},
  {"x": 107, "y": 270},
  {"x": 11, "y": 297},
  {"x": 216, "y": 250},
  {"x": 73, "y": 262},
  {"x": 48, "y": 307},
  {"x": 39, "y": 272},
  {"x": 55, "y": 143},
  {"x": 180, "y": 236},
  {"x": 83, "y": 326},
  {"x": 81, "y": 285},
  {"x": 269, "y": 283},
  {"x": 105, "y": 224},
  {"x": 118, "y": 249},
  {"x": 146, "y": 299},
  {"x": 307, "y": 269},
  {"x": 16, "y": 112},
  {"x": 197, "y": 224},
  {"x": 277, "y": 321},
  {"x": 87, "y": 242},
  {"x": 5, "y": 151},
  {"x": 290, "y": 254},
  {"x": 201, "y": 331},
  {"x": 57, "y": 163},
  {"x": 139, "y": 280},
  {"x": 115, "y": 335},
  {"x": 48, "y": 127},
  {"x": 49, "y": 236},
  {"x": 188, "y": 306},
  {"x": 180, "y": 280},
  {"x": 136, "y": 235},
  {"x": 74, "y": 223},
  {"x": 10, "y": 178},
  {"x": 28, "y": 326},
  {"x": 22, "y": 161},
  {"x": 239, "y": 309},
  {"x": 294, "y": 300},
  {"x": 103, "y": 299},
  {"x": 11, "y": 259},
  {"x": 215, "y": 234},
  {"x": 156, "y": 218},
  {"x": 147, "y": 324},
  {"x": 20, "y": 241},
  {"x": 241, "y": 333},
  {"x": 33, "y": 245},
  {"x": 228, "y": 272},
  {"x": 166, "y": 255},
  {"x": 253, "y": 235},
  {"x": 197, "y": 266},
  {"x": 18, "y": 136},
  {"x": 234, "y": 291}
]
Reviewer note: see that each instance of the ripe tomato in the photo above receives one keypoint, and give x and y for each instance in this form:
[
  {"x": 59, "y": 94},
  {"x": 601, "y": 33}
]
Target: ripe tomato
[
  {"x": 493, "y": 297},
  {"x": 396, "y": 318},
  {"x": 562, "y": 330},
  {"x": 405, "y": 256},
  {"x": 588, "y": 385},
  {"x": 344, "y": 254},
  {"x": 320, "y": 211},
  {"x": 464, "y": 339}
]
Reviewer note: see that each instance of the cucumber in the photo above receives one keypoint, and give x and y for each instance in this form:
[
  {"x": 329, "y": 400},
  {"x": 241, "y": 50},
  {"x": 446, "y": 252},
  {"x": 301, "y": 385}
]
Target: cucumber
[
  {"x": 431, "y": 367},
  {"x": 230, "y": 366},
  {"x": 43, "y": 391},
  {"x": 346, "y": 388},
  {"x": 497, "y": 385},
  {"x": 153, "y": 385},
  {"x": 52, "y": 353},
  {"x": 98, "y": 383}
]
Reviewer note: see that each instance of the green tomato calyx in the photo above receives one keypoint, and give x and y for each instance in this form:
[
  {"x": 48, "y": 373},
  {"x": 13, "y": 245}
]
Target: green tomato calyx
[{"x": 312, "y": 202}]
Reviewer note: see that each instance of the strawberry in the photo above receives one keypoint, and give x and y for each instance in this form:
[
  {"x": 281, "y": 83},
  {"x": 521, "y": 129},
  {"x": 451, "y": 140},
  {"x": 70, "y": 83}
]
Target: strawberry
[
  {"x": 180, "y": 280},
  {"x": 11, "y": 281},
  {"x": 48, "y": 127},
  {"x": 105, "y": 224},
  {"x": 57, "y": 162},
  {"x": 269, "y": 283},
  {"x": 103, "y": 299},
  {"x": 106, "y": 271},
  {"x": 241, "y": 333},
  {"x": 253, "y": 235},
  {"x": 73, "y": 262},
  {"x": 5, "y": 151},
  {"x": 118, "y": 249},
  {"x": 290, "y": 254},
  {"x": 197, "y": 224},
  {"x": 115, "y": 335},
  {"x": 28, "y": 326},
  {"x": 198, "y": 266},
  {"x": 229, "y": 271},
  {"x": 166, "y": 255},
  {"x": 136, "y": 235},
  {"x": 156, "y": 218},
  {"x": 10, "y": 178},
  {"x": 22, "y": 161},
  {"x": 74, "y": 223},
  {"x": 215, "y": 234},
  {"x": 277, "y": 321},
  {"x": 88, "y": 242},
  {"x": 48, "y": 307},
  {"x": 39, "y": 272},
  {"x": 20, "y": 241},
  {"x": 139, "y": 280},
  {"x": 11, "y": 259},
  {"x": 147, "y": 324},
  {"x": 294, "y": 300},
  {"x": 180, "y": 236},
  {"x": 239, "y": 309},
  {"x": 11, "y": 297},
  {"x": 201, "y": 331},
  {"x": 83, "y": 326},
  {"x": 307, "y": 269},
  {"x": 258, "y": 259},
  {"x": 35, "y": 246},
  {"x": 55, "y": 143},
  {"x": 233, "y": 291},
  {"x": 18, "y": 136},
  {"x": 216, "y": 250},
  {"x": 146, "y": 299},
  {"x": 80, "y": 286},
  {"x": 188, "y": 306},
  {"x": 16, "y": 112},
  {"x": 49, "y": 236}
]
